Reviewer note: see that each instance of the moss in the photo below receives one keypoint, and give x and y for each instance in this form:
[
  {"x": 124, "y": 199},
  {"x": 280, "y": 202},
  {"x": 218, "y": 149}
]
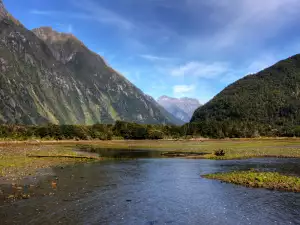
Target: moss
[{"x": 268, "y": 180}]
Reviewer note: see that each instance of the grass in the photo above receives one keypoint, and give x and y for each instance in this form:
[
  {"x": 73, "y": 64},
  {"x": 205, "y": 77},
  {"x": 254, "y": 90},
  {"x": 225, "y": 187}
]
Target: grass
[
  {"x": 15, "y": 160},
  {"x": 234, "y": 148},
  {"x": 268, "y": 180},
  {"x": 15, "y": 163}
]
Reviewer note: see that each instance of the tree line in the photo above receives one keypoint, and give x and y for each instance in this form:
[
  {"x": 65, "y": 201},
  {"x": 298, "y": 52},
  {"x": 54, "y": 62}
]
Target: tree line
[
  {"x": 134, "y": 131},
  {"x": 120, "y": 130}
]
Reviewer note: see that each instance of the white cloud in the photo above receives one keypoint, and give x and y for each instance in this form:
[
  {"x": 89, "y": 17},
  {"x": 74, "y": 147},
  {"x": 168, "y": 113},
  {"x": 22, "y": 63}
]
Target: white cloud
[
  {"x": 240, "y": 24},
  {"x": 260, "y": 64},
  {"x": 183, "y": 90},
  {"x": 65, "y": 27},
  {"x": 41, "y": 12},
  {"x": 90, "y": 10},
  {"x": 251, "y": 67},
  {"x": 100, "y": 14},
  {"x": 200, "y": 69},
  {"x": 155, "y": 58}
]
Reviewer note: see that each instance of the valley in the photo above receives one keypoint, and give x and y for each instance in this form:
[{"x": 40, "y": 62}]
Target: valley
[{"x": 81, "y": 143}]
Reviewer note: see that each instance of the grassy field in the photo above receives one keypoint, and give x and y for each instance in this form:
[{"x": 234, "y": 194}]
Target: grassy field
[
  {"x": 21, "y": 160},
  {"x": 268, "y": 180},
  {"x": 15, "y": 160},
  {"x": 234, "y": 148}
]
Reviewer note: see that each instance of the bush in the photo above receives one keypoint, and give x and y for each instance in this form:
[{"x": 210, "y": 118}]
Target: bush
[
  {"x": 219, "y": 152},
  {"x": 155, "y": 134}
]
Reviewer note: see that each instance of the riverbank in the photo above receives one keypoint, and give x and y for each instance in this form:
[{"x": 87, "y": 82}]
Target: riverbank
[
  {"x": 205, "y": 149},
  {"x": 21, "y": 160},
  {"x": 267, "y": 180}
]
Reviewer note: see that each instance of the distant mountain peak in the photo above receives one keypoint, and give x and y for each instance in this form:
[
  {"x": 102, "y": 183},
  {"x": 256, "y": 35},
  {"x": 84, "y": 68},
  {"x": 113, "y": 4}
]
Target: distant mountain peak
[
  {"x": 165, "y": 97},
  {"x": 168, "y": 98},
  {"x": 182, "y": 108}
]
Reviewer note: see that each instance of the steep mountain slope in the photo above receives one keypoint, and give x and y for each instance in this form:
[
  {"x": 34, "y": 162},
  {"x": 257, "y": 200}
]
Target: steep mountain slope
[
  {"x": 48, "y": 76},
  {"x": 181, "y": 108},
  {"x": 270, "y": 97}
]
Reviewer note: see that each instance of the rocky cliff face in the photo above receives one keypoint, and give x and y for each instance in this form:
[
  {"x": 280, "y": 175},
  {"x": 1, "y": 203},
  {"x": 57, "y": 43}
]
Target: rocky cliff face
[
  {"x": 51, "y": 77},
  {"x": 181, "y": 108}
]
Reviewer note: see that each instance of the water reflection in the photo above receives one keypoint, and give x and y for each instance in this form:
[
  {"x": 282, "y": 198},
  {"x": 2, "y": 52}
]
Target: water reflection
[{"x": 155, "y": 191}]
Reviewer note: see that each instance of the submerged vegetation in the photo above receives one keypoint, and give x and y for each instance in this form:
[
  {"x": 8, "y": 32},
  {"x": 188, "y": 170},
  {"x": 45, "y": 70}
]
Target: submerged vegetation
[{"x": 268, "y": 180}]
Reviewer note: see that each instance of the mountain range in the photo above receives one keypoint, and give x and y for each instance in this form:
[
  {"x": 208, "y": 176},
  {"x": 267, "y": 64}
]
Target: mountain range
[
  {"x": 52, "y": 77},
  {"x": 181, "y": 108}
]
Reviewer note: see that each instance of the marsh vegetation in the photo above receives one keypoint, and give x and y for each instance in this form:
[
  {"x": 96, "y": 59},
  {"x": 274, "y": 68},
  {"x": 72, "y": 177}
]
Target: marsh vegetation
[{"x": 255, "y": 179}]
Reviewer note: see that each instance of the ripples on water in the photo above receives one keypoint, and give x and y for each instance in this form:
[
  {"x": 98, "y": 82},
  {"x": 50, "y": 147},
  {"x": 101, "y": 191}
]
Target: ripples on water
[{"x": 155, "y": 191}]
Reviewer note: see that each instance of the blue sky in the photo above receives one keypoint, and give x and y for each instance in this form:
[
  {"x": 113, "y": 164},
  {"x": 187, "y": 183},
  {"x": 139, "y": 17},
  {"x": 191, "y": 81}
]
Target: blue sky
[{"x": 179, "y": 48}]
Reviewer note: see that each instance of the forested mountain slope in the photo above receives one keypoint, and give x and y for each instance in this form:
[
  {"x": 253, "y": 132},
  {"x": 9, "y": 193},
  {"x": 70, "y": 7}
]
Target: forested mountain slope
[{"x": 269, "y": 98}]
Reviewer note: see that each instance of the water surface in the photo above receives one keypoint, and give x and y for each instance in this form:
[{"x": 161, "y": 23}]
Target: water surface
[{"x": 155, "y": 191}]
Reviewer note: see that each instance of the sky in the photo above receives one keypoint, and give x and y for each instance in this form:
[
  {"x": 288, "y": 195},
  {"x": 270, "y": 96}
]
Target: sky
[{"x": 179, "y": 48}]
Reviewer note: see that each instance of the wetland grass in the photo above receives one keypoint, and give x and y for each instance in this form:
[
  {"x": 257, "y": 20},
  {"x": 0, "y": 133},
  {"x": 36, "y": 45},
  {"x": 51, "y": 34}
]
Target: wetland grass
[
  {"x": 17, "y": 161},
  {"x": 234, "y": 148},
  {"x": 267, "y": 180}
]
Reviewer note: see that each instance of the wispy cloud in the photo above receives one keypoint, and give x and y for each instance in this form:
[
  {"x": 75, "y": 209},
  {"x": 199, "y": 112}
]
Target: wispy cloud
[
  {"x": 183, "y": 90},
  {"x": 260, "y": 64},
  {"x": 155, "y": 58},
  {"x": 103, "y": 15},
  {"x": 206, "y": 43},
  {"x": 251, "y": 67},
  {"x": 65, "y": 27},
  {"x": 65, "y": 14},
  {"x": 238, "y": 25},
  {"x": 42, "y": 12},
  {"x": 90, "y": 10},
  {"x": 200, "y": 69}
]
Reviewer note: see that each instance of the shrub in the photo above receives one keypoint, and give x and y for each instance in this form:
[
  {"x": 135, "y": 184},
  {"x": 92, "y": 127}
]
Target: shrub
[
  {"x": 219, "y": 152},
  {"x": 155, "y": 134}
]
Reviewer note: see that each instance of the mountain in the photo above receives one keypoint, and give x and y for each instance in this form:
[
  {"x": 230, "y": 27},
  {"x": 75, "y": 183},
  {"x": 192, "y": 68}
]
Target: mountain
[
  {"x": 181, "y": 108},
  {"x": 270, "y": 97},
  {"x": 52, "y": 77}
]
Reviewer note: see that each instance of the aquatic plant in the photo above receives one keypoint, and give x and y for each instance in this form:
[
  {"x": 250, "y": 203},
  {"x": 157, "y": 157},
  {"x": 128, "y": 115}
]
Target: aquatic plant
[{"x": 268, "y": 180}]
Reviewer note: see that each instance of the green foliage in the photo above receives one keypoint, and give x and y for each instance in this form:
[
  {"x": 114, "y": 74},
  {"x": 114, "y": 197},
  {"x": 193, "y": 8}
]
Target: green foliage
[
  {"x": 155, "y": 134},
  {"x": 122, "y": 130},
  {"x": 268, "y": 180},
  {"x": 265, "y": 104}
]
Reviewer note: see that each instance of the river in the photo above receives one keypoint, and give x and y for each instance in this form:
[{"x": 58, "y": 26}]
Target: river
[{"x": 150, "y": 190}]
